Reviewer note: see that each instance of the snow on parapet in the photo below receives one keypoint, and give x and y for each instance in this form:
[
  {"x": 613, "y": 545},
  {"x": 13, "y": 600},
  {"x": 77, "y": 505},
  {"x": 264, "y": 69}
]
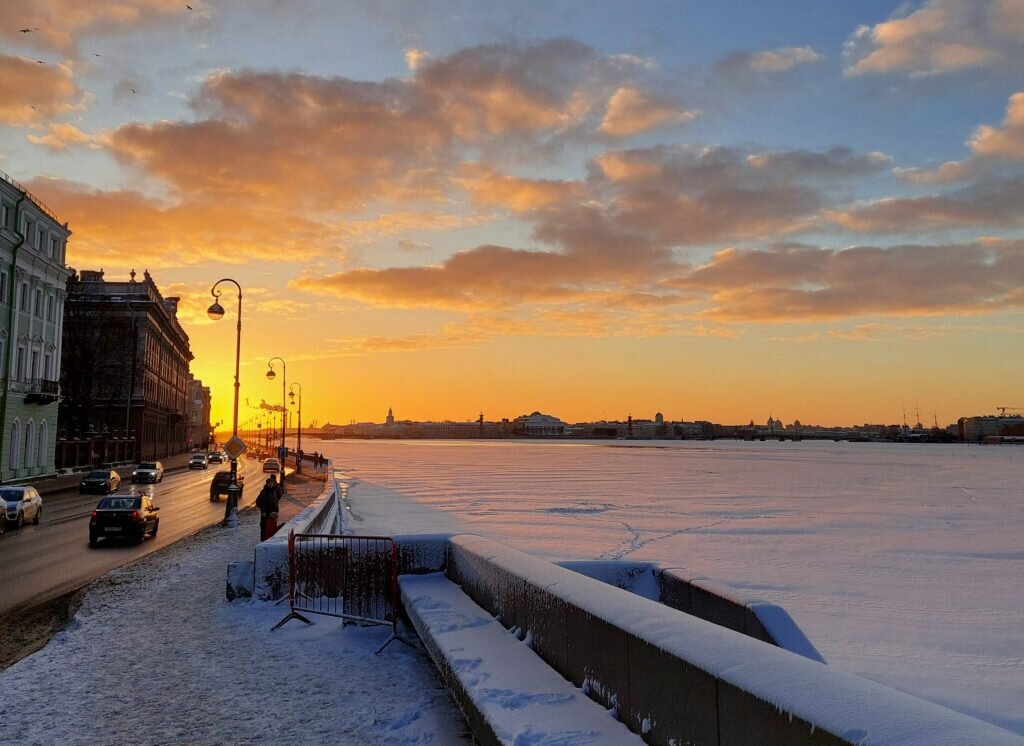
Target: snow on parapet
[
  {"x": 703, "y": 598},
  {"x": 693, "y": 679}
]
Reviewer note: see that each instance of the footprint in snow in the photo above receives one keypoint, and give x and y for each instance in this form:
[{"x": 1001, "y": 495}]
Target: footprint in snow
[{"x": 513, "y": 700}]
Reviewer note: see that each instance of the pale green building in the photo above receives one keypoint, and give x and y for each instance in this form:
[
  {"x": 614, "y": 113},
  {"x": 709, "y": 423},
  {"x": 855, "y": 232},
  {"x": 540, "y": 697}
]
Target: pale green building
[{"x": 33, "y": 277}]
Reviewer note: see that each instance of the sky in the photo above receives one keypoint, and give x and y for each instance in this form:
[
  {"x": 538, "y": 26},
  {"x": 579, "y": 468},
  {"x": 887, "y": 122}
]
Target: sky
[{"x": 718, "y": 211}]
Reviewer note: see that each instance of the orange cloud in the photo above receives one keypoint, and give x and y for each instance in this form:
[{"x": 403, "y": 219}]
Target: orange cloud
[
  {"x": 31, "y": 92},
  {"x": 488, "y": 188},
  {"x": 686, "y": 195},
  {"x": 329, "y": 144},
  {"x": 941, "y": 36},
  {"x": 799, "y": 284},
  {"x": 61, "y": 136},
  {"x": 127, "y": 228},
  {"x": 56, "y": 24},
  {"x": 631, "y": 111},
  {"x": 484, "y": 277},
  {"x": 502, "y": 89},
  {"x": 997, "y": 204},
  {"x": 782, "y": 59},
  {"x": 1006, "y": 141},
  {"x": 339, "y": 145}
]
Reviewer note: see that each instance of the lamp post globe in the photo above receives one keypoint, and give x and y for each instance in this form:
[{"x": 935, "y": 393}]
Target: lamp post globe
[
  {"x": 271, "y": 375},
  {"x": 216, "y": 311}
]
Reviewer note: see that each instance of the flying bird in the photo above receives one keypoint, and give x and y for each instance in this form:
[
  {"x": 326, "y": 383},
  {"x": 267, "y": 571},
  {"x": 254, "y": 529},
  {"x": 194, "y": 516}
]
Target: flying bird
[
  {"x": 133, "y": 90},
  {"x": 40, "y": 62},
  {"x": 27, "y": 30},
  {"x": 188, "y": 6},
  {"x": 96, "y": 55}
]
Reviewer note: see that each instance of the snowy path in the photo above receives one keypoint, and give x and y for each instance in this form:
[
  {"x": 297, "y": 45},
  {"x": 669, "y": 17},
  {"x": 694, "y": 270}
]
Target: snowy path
[{"x": 156, "y": 655}]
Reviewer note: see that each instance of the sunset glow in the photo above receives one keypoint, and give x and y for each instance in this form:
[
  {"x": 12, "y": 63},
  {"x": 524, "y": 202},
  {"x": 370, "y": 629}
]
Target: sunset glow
[{"x": 588, "y": 209}]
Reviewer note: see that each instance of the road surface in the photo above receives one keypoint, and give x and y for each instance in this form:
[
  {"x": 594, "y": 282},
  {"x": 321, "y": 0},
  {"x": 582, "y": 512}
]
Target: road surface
[{"x": 40, "y": 563}]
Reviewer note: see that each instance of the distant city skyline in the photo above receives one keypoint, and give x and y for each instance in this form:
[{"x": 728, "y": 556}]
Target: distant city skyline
[{"x": 806, "y": 209}]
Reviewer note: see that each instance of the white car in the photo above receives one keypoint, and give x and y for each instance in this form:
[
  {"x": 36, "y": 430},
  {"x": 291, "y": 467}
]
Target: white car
[
  {"x": 21, "y": 504},
  {"x": 272, "y": 466},
  {"x": 149, "y": 471},
  {"x": 198, "y": 461}
]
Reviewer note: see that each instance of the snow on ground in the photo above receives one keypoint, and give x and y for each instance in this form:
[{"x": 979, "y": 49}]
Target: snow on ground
[
  {"x": 902, "y": 563},
  {"x": 157, "y": 655}
]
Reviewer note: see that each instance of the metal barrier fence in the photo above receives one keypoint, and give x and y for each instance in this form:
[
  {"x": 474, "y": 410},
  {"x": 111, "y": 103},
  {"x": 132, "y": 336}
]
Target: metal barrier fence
[{"x": 354, "y": 578}]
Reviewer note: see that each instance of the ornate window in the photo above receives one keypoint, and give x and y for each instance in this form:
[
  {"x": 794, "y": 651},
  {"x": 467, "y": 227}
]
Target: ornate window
[
  {"x": 15, "y": 432},
  {"x": 29, "y": 450},
  {"x": 44, "y": 442}
]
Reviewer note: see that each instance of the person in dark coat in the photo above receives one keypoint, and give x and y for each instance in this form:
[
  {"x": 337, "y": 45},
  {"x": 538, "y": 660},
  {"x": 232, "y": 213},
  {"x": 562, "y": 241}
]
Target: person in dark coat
[{"x": 267, "y": 502}]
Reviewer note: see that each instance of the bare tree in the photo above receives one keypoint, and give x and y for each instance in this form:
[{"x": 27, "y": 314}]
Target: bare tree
[{"x": 99, "y": 359}]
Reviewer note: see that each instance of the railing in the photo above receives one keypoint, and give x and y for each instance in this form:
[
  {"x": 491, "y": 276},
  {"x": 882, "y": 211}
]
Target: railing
[
  {"x": 35, "y": 200},
  {"x": 354, "y": 578},
  {"x": 35, "y": 386}
]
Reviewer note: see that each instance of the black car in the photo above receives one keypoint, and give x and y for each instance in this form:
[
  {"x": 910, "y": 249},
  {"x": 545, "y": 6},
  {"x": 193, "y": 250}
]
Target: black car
[
  {"x": 124, "y": 517},
  {"x": 104, "y": 482},
  {"x": 215, "y": 457},
  {"x": 219, "y": 485}
]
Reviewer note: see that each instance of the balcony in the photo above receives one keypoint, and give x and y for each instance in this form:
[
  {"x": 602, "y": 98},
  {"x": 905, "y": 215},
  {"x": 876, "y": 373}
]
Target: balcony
[{"x": 37, "y": 390}]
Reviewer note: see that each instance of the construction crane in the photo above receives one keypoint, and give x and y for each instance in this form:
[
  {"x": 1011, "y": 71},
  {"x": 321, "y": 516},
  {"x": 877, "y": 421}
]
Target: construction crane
[{"x": 1004, "y": 410}]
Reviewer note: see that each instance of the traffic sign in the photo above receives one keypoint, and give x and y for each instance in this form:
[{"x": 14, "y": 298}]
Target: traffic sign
[
  {"x": 282, "y": 453},
  {"x": 234, "y": 448}
]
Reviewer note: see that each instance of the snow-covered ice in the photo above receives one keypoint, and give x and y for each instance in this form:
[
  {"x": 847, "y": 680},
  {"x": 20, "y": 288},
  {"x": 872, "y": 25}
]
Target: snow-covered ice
[
  {"x": 902, "y": 563},
  {"x": 157, "y": 655}
]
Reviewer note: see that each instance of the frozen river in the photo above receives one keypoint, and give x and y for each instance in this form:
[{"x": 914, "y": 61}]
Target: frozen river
[{"x": 902, "y": 563}]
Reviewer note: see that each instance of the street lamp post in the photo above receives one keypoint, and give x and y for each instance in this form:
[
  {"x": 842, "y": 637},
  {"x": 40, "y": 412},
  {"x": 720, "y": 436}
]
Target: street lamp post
[
  {"x": 298, "y": 437},
  {"x": 216, "y": 312},
  {"x": 271, "y": 375}
]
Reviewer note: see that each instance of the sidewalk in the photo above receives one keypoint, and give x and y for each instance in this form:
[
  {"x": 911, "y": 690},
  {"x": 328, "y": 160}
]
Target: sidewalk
[{"x": 156, "y": 655}]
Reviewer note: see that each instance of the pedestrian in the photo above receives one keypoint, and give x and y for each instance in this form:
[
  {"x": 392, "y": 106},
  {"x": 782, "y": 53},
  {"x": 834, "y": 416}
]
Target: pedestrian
[
  {"x": 267, "y": 502},
  {"x": 323, "y": 462}
]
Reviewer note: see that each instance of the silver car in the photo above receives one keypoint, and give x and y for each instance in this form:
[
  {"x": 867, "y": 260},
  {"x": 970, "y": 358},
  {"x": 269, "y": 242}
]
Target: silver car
[
  {"x": 21, "y": 504},
  {"x": 149, "y": 471}
]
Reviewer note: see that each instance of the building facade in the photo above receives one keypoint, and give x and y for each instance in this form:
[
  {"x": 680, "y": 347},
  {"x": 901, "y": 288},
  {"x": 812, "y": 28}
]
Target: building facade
[
  {"x": 975, "y": 429},
  {"x": 33, "y": 243},
  {"x": 199, "y": 413},
  {"x": 125, "y": 372}
]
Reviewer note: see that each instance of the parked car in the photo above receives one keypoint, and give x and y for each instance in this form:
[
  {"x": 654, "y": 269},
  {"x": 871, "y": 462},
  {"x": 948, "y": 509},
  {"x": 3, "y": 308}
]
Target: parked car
[
  {"x": 215, "y": 457},
  {"x": 103, "y": 482},
  {"x": 21, "y": 504},
  {"x": 219, "y": 485},
  {"x": 124, "y": 517},
  {"x": 149, "y": 471},
  {"x": 272, "y": 465},
  {"x": 198, "y": 461}
]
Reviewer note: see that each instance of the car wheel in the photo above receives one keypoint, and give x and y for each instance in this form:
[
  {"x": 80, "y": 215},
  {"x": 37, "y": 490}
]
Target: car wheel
[
  {"x": 37, "y": 517},
  {"x": 142, "y": 535},
  {"x": 92, "y": 540},
  {"x": 156, "y": 527},
  {"x": 21, "y": 520}
]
